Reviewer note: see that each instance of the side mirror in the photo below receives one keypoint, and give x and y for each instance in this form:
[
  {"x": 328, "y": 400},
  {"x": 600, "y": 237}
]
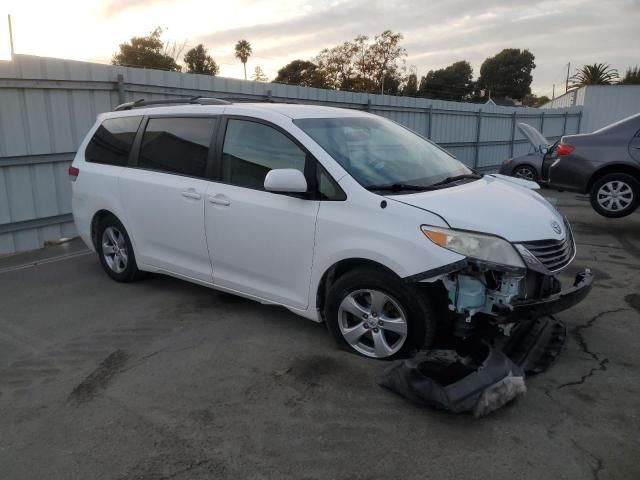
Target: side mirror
[{"x": 285, "y": 180}]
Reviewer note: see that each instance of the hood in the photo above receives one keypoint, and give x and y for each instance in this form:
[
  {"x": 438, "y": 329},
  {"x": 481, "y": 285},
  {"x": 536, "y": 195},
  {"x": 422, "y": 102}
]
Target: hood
[
  {"x": 534, "y": 136},
  {"x": 494, "y": 206}
]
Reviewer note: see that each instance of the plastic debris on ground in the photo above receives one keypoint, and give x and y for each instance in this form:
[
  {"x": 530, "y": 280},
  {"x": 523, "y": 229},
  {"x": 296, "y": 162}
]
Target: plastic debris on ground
[
  {"x": 478, "y": 376},
  {"x": 479, "y": 381}
]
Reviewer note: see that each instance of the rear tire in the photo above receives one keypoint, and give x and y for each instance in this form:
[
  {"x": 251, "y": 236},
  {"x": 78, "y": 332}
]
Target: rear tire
[
  {"x": 375, "y": 314},
  {"x": 615, "y": 195},
  {"x": 116, "y": 251}
]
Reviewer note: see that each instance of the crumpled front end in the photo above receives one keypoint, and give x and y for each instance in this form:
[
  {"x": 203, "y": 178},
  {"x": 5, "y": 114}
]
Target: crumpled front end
[{"x": 481, "y": 293}]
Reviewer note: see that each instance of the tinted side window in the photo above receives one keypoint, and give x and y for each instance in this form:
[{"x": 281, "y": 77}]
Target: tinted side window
[
  {"x": 328, "y": 189},
  {"x": 111, "y": 144},
  {"x": 177, "y": 145},
  {"x": 251, "y": 149}
]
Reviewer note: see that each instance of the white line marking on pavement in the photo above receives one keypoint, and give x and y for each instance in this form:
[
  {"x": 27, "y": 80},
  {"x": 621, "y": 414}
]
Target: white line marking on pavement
[{"x": 44, "y": 261}]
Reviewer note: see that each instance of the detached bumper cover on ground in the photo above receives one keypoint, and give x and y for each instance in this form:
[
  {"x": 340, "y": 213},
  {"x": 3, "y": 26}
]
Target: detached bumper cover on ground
[{"x": 479, "y": 382}]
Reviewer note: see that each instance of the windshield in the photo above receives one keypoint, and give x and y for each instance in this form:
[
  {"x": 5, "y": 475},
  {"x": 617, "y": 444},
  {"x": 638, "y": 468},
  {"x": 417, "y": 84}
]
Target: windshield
[{"x": 376, "y": 151}]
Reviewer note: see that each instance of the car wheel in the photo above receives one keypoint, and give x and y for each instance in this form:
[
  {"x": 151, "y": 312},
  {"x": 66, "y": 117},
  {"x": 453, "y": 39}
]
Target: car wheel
[
  {"x": 615, "y": 195},
  {"x": 375, "y": 314},
  {"x": 525, "y": 172},
  {"x": 115, "y": 250}
]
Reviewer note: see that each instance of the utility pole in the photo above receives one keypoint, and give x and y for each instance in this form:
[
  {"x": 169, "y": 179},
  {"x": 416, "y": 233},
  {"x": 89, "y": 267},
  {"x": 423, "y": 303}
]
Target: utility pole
[
  {"x": 553, "y": 94},
  {"x": 566, "y": 85},
  {"x": 10, "y": 36}
]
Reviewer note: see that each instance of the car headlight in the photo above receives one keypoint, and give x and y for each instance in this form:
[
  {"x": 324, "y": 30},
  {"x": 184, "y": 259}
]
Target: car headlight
[{"x": 478, "y": 246}]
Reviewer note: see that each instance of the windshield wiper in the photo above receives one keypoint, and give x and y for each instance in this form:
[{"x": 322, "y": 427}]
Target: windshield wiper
[
  {"x": 474, "y": 176},
  {"x": 397, "y": 187}
]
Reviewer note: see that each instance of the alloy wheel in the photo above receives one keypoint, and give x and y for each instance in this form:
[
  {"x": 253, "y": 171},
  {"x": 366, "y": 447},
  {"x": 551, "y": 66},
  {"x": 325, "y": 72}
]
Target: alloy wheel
[
  {"x": 372, "y": 323},
  {"x": 114, "y": 249},
  {"x": 525, "y": 173},
  {"x": 615, "y": 196}
]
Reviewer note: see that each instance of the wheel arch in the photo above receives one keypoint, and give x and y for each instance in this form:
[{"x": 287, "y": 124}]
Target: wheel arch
[
  {"x": 337, "y": 270},
  {"x": 613, "y": 168},
  {"x": 96, "y": 219}
]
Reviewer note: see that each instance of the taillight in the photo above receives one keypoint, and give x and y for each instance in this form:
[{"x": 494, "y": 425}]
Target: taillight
[
  {"x": 564, "y": 149},
  {"x": 73, "y": 173}
]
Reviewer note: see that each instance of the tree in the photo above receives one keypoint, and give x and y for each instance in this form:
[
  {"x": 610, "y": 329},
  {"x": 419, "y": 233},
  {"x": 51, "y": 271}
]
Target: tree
[
  {"x": 198, "y": 61},
  {"x": 386, "y": 53},
  {"x": 454, "y": 82},
  {"x": 364, "y": 65},
  {"x": 336, "y": 66},
  {"x": 259, "y": 76},
  {"x": 301, "y": 72},
  {"x": 596, "y": 74},
  {"x": 531, "y": 100},
  {"x": 410, "y": 88},
  {"x": 631, "y": 77},
  {"x": 508, "y": 74},
  {"x": 147, "y": 52},
  {"x": 243, "y": 52}
]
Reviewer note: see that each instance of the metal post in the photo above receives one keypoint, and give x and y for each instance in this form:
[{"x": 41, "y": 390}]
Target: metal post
[
  {"x": 368, "y": 105},
  {"x": 11, "y": 37},
  {"x": 430, "y": 113},
  {"x": 542, "y": 123},
  {"x": 121, "y": 92},
  {"x": 564, "y": 127},
  {"x": 513, "y": 134},
  {"x": 478, "y": 128},
  {"x": 269, "y": 99},
  {"x": 579, "y": 121}
]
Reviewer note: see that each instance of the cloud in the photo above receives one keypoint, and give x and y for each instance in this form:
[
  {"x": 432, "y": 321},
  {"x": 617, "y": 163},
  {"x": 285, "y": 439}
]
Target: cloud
[{"x": 438, "y": 33}]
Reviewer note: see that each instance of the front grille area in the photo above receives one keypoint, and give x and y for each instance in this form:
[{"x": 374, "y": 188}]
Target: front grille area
[{"x": 553, "y": 254}]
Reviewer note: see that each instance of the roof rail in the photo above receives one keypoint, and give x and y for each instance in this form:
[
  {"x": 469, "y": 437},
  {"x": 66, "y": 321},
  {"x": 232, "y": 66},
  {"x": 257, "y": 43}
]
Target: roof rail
[{"x": 171, "y": 101}]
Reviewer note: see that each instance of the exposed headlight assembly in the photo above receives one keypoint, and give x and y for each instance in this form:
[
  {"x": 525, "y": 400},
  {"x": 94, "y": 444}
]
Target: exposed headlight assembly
[{"x": 476, "y": 246}]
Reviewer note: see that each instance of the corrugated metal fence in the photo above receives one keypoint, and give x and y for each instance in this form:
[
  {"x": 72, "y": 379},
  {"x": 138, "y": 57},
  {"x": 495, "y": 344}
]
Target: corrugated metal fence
[{"x": 47, "y": 105}]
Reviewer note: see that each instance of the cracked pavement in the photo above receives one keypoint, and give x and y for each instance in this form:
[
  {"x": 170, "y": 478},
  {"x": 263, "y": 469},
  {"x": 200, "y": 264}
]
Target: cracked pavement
[{"x": 167, "y": 380}]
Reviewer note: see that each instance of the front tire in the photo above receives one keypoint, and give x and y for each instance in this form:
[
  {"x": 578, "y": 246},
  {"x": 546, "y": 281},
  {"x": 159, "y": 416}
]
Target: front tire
[
  {"x": 116, "y": 251},
  {"x": 525, "y": 172},
  {"x": 374, "y": 313},
  {"x": 615, "y": 195}
]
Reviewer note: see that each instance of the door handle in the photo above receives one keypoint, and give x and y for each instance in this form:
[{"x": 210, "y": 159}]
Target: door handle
[
  {"x": 219, "y": 201},
  {"x": 192, "y": 194}
]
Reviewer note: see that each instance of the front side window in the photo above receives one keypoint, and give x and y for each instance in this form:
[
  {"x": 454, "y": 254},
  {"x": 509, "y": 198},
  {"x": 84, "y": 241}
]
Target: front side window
[
  {"x": 251, "y": 149},
  {"x": 177, "y": 145},
  {"x": 376, "y": 151},
  {"x": 112, "y": 142}
]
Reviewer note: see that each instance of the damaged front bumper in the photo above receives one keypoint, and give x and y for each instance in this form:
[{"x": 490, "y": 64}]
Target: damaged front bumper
[
  {"x": 554, "y": 303},
  {"x": 507, "y": 296}
]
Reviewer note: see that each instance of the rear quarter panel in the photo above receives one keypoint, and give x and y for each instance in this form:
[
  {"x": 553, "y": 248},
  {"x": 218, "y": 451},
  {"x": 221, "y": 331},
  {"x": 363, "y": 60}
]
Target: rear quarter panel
[{"x": 95, "y": 189}]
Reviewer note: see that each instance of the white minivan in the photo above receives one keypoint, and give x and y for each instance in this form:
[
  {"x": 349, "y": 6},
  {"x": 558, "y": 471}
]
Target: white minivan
[{"x": 338, "y": 215}]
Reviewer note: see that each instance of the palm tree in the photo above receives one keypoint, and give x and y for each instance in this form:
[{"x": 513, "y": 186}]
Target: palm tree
[
  {"x": 596, "y": 74},
  {"x": 243, "y": 52}
]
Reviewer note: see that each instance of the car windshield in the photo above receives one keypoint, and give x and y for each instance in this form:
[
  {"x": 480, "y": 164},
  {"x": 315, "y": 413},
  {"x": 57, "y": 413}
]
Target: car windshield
[{"x": 377, "y": 153}]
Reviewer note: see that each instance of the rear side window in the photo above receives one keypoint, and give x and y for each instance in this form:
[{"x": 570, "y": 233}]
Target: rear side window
[
  {"x": 177, "y": 145},
  {"x": 111, "y": 144},
  {"x": 251, "y": 149}
]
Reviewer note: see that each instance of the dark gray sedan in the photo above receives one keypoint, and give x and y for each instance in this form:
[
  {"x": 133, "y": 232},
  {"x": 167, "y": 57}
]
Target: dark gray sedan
[{"x": 604, "y": 164}]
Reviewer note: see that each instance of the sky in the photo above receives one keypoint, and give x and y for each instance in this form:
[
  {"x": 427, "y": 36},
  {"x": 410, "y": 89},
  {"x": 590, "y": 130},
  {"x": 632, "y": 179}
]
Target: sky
[{"x": 436, "y": 33}]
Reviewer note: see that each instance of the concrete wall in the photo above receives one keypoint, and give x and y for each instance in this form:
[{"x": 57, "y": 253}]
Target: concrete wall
[{"x": 47, "y": 105}]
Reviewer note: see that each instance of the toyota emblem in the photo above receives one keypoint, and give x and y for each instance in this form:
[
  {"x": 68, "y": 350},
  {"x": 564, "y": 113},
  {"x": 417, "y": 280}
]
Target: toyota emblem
[{"x": 556, "y": 227}]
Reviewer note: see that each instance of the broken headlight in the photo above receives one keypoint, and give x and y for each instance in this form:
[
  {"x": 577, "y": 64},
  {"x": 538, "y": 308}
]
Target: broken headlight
[{"x": 479, "y": 246}]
